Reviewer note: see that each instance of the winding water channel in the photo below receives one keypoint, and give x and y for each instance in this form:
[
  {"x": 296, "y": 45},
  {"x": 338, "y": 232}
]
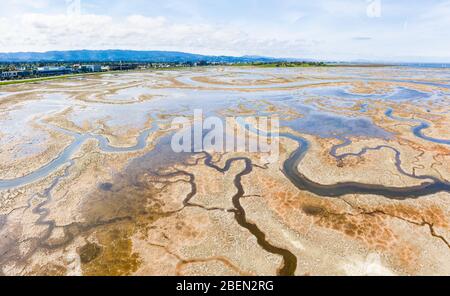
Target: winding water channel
[
  {"x": 292, "y": 164},
  {"x": 418, "y": 129},
  {"x": 66, "y": 155}
]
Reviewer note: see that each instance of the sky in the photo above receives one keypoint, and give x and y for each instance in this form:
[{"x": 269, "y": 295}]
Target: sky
[{"x": 347, "y": 30}]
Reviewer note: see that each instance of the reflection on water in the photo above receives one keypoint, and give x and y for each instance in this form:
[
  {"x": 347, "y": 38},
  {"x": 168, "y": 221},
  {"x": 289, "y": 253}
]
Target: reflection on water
[
  {"x": 401, "y": 93},
  {"x": 129, "y": 94},
  {"x": 335, "y": 126}
]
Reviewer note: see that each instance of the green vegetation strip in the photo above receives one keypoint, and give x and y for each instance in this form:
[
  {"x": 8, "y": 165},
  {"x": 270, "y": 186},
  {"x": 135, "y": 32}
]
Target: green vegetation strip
[{"x": 284, "y": 64}]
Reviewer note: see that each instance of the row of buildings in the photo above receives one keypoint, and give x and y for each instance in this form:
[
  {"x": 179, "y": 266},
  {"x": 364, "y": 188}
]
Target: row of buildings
[
  {"x": 32, "y": 72},
  {"x": 24, "y": 71}
]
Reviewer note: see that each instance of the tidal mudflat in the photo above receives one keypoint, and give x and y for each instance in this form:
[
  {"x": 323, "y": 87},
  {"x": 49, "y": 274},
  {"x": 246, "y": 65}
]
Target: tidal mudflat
[{"x": 89, "y": 184}]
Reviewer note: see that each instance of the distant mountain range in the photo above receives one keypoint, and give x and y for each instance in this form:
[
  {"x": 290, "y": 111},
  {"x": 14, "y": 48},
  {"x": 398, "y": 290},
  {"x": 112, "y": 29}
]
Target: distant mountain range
[{"x": 126, "y": 56}]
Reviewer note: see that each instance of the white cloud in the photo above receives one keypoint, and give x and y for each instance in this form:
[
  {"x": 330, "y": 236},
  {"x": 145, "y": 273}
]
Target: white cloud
[
  {"x": 40, "y": 32},
  {"x": 320, "y": 29}
]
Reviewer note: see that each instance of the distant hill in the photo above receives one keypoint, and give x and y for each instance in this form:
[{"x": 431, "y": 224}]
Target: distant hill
[{"x": 125, "y": 55}]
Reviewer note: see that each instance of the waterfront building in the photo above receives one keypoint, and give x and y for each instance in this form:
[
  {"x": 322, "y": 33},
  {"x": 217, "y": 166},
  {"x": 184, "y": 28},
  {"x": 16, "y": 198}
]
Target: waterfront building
[{"x": 50, "y": 71}]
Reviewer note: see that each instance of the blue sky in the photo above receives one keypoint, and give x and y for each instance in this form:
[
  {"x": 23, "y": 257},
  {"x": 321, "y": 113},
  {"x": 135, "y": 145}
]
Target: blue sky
[{"x": 390, "y": 30}]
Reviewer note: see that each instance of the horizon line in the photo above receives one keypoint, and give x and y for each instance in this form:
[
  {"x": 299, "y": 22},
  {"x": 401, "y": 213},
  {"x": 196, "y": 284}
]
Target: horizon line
[{"x": 356, "y": 60}]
